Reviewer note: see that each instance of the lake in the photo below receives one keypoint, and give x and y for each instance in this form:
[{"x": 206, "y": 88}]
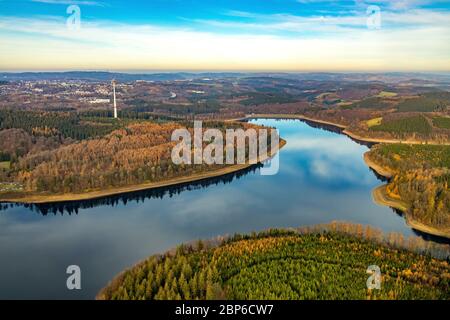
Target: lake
[{"x": 322, "y": 178}]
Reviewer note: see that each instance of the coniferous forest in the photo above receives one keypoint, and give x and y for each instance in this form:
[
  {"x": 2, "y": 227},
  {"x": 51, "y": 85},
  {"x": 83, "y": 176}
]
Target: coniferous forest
[
  {"x": 133, "y": 152},
  {"x": 321, "y": 262},
  {"x": 269, "y": 129},
  {"x": 421, "y": 178}
]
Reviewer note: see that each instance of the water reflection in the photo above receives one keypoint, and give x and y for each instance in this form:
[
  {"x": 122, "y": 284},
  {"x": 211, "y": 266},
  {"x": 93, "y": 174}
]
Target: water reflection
[
  {"x": 320, "y": 167},
  {"x": 73, "y": 207},
  {"x": 331, "y": 128},
  {"x": 322, "y": 178}
]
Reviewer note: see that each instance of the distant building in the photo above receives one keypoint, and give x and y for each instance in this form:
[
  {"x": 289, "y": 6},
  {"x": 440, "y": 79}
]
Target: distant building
[
  {"x": 95, "y": 101},
  {"x": 196, "y": 91}
]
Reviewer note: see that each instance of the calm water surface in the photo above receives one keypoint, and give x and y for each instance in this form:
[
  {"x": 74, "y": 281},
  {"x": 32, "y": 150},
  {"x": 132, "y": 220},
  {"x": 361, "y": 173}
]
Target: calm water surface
[{"x": 322, "y": 178}]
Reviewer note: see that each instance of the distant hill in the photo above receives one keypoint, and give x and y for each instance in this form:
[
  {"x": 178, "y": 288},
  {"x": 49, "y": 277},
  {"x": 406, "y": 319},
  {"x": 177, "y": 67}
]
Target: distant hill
[
  {"x": 416, "y": 78},
  {"x": 107, "y": 76}
]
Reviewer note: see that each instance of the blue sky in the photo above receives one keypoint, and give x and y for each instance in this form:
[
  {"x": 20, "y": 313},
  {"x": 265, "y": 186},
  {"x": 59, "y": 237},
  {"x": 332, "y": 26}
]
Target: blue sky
[{"x": 294, "y": 35}]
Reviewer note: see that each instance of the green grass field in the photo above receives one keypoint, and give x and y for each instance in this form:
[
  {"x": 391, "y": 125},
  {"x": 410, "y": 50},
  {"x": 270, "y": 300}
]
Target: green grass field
[
  {"x": 374, "y": 122},
  {"x": 5, "y": 165},
  {"x": 387, "y": 94}
]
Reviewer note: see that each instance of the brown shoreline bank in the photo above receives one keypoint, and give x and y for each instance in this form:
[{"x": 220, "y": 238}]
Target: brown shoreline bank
[
  {"x": 339, "y": 126},
  {"x": 381, "y": 197},
  {"x": 42, "y": 199},
  {"x": 379, "y": 194},
  {"x": 382, "y": 171}
]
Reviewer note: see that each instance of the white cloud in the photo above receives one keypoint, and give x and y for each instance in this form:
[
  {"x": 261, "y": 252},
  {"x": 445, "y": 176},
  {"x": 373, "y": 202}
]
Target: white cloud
[
  {"x": 406, "y": 4},
  {"x": 321, "y": 168},
  {"x": 45, "y": 42},
  {"x": 391, "y": 4},
  {"x": 336, "y": 146},
  {"x": 344, "y": 23},
  {"x": 72, "y": 2}
]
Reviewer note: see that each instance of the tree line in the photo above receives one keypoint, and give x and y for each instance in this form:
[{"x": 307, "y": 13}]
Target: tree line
[
  {"x": 421, "y": 179},
  {"x": 138, "y": 153},
  {"x": 320, "y": 263}
]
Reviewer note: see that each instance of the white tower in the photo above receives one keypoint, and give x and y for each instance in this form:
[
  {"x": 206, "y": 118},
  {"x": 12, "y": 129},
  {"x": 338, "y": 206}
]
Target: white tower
[{"x": 114, "y": 97}]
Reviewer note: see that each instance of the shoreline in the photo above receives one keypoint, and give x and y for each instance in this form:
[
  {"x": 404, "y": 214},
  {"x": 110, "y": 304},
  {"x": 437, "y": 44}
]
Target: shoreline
[
  {"x": 379, "y": 193},
  {"x": 73, "y": 197},
  {"x": 382, "y": 171},
  {"x": 290, "y": 116},
  {"x": 217, "y": 241},
  {"x": 343, "y": 128},
  {"x": 380, "y": 197}
]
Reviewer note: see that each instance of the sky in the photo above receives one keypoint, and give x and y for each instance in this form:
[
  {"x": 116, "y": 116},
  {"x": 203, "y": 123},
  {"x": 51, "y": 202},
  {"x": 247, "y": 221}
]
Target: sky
[{"x": 225, "y": 35}]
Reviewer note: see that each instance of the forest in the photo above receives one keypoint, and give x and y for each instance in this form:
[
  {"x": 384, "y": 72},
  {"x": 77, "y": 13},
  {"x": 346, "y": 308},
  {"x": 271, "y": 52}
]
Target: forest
[
  {"x": 422, "y": 116},
  {"x": 177, "y": 110},
  {"x": 75, "y": 125},
  {"x": 416, "y": 124},
  {"x": 258, "y": 98},
  {"x": 421, "y": 179},
  {"x": 442, "y": 122},
  {"x": 427, "y": 102},
  {"x": 320, "y": 262},
  {"x": 65, "y": 124},
  {"x": 137, "y": 153},
  {"x": 372, "y": 103}
]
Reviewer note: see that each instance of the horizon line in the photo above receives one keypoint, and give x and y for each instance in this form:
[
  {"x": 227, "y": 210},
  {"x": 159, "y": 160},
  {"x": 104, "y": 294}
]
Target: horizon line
[{"x": 199, "y": 71}]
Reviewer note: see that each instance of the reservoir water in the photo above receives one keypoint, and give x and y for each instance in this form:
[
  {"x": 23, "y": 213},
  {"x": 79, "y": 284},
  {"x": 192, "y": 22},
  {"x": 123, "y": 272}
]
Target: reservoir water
[{"x": 322, "y": 178}]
